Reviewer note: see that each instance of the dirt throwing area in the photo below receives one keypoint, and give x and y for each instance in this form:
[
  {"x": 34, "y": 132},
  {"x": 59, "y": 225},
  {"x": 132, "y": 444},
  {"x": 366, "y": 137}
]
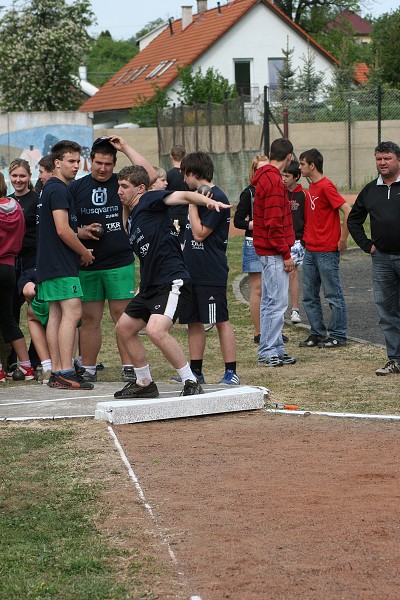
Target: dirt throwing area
[{"x": 265, "y": 506}]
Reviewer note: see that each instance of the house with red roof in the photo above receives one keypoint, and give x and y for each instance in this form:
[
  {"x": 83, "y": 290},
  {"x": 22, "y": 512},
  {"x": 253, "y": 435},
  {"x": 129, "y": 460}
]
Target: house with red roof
[{"x": 243, "y": 40}]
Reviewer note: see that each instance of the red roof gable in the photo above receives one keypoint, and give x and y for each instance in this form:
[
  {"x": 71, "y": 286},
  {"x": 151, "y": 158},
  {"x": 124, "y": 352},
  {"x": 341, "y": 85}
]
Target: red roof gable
[
  {"x": 157, "y": 63},
  {"x": 361, "y": 71},
  {"x": 359, "y": 25}
]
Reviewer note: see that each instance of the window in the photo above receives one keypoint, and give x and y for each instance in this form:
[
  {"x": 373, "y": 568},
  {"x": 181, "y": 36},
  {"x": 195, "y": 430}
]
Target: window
[
  {"x": 242, "y": 78},
  {"x": 274, "y": 66}
]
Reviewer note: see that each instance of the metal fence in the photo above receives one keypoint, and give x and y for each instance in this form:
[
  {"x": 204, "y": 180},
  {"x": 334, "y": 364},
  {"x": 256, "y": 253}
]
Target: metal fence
[{"x": 345, "y": 125}]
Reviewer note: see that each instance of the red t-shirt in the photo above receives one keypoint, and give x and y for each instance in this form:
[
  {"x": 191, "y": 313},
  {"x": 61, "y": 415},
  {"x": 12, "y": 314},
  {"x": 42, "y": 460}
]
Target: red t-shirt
[{"x": 322, "y": 219}]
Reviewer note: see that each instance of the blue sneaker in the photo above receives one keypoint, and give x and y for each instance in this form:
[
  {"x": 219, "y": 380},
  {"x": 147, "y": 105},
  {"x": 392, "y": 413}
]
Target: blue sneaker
[
  {"x": 230, "y": 378},
  {"x": 199, "y": 377}
]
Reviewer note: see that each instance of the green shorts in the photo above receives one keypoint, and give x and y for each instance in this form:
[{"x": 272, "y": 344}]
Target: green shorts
[
  {"x": 41, "y": 310},
  {"x": 59, "y": 288},
  {"x": 108, "y": 284}
]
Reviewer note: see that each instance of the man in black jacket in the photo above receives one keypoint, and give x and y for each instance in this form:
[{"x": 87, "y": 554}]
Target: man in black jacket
[{"x": 380, "y": 199}]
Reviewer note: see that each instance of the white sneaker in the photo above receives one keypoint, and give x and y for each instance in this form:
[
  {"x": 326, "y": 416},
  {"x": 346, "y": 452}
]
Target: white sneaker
[{"x": 295, "y": 316}]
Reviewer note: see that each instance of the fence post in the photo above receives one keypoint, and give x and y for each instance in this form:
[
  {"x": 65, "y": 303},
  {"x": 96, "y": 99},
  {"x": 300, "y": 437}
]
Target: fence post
[
  {"x": 349, "y": 142},
  {"x": 196, "y": 127},
  {"x": 243, "y": 122},
  {"x": 266, "y": 122},
  {"x": 182, "y": 111},
  {"x": 173, "y": 125},
  {"x": 160, "y": 140},
  {"x": 379, "y": 114},
  {"x": 286, "y": 123},
  {"x": 209, "y": 114},
  {"x": 226, "y": 113}
]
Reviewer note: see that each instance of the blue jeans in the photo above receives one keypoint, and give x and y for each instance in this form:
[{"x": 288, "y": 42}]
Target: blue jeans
[
  {"x": 322, "y": 268},
  {"x": 274, "y": 302},
  {"x": 386, "y": 286}
]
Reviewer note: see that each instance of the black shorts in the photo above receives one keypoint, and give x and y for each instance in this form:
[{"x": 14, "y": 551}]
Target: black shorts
[
  {"x": 209, "y": 305},
  {"x": 164, "y": 299}
]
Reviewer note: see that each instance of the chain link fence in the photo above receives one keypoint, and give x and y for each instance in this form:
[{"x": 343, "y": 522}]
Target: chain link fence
[{"x": 345, "y": 125}]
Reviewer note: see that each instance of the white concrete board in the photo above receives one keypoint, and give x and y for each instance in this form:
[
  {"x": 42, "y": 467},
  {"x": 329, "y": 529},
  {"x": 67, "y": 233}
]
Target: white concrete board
[{"x": 137, "y": 411}]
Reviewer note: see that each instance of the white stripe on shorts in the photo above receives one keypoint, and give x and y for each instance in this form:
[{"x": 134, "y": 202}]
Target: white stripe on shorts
[
  {"x": 212, "y": 310},
  {"x": 173, "y": 298}
]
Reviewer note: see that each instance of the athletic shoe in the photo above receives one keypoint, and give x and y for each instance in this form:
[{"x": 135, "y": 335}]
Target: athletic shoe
[
  {"x": 79, "y": 370},
  {"x": 230, "y": 378},
  {"x": 295, "y": 316},
  {"x": 69, "y": 381},
  {"x": 285, "y": 339},
  {"x": 100, "y": 367},
  {"x": 311, "y": 342},
  {"x": 391, "y": 367},
  {"x": 256, "y": 339},
  {"x": 44, "y": 376},
  {"x": 38, "y": 372},
  {"x": 86, "y": 376},
  {"x": 128, "y": 374},
  {"x": 330, "y": 342},
  {"x": 2, "y": 376},
  {"x": 27, "y": 372},
  {"x": 199, "y": 377},
  {"x": 287, "y": 360},
  {"x": 208, "y": 326},
  {"x": 10, "y": 370},
  {"x": 191, "y": 388},
  {"x": 271, "y": 361},
  {"x": 133, "y": 390}
]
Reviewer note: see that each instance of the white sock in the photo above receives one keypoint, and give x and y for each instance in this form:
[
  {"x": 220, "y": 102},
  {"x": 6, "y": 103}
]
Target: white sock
[
  {"x": 186, "y": 373},
  {"x": 90, "y": 369},
  {"x": 46, "y": 364},
  {"x": 143, "y": 376}
]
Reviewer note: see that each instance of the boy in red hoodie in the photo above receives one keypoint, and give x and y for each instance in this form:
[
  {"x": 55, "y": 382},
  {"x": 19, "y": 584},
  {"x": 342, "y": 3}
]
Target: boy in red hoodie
[
  {"x": 273, "y": 237},
  {"x": 12, "y": 231}
]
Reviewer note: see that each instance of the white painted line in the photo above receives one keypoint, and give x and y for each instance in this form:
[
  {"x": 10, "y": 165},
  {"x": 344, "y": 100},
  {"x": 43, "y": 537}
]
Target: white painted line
[
  {"x": 48, "y": 418},
  {"x": 30, "y": 401},
  {"x": 147, "y": 505},
  {"x": 333, "y": 414}
]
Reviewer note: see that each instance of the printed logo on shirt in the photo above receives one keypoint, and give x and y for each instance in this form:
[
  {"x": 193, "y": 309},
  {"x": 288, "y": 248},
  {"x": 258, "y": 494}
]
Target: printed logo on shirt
[
  {"x": 313, "y": 200},
  {"x": 99, "y": 196},
  {"x": 197, "y": 245},
  {"x": 144, "y": 249}
]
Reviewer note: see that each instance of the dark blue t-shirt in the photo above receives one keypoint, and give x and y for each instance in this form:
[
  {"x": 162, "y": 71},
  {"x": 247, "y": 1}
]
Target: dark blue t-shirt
[
  {"x": 206, "y": 261},
  {"x": 54, "y": 258},
  {"x": 155, "y": 241},
  {"x": 98, "y": 202}
]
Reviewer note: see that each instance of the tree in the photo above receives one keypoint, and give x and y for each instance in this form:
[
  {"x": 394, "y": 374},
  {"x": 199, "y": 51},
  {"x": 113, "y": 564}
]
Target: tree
[
  {"x": 107, "y": 56},
  {"x": 286, "y": 77},
  {"x": 145, "y": 113},
  {"x": 308, "y": 82},
  {"x": 196, "y": 88},
  {"x": 300, "y": 10},
  {"x": 42, "y": 44},
  {"x": 386, "y": 47}
]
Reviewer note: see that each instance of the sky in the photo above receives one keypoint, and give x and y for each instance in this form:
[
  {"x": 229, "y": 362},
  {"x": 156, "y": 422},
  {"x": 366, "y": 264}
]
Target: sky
[{"x": 124, "y": 18}]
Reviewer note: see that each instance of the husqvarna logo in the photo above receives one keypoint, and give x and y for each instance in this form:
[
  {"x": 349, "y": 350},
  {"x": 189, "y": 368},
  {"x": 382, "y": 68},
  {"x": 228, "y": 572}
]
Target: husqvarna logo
[{"x": 99, "y": 196}]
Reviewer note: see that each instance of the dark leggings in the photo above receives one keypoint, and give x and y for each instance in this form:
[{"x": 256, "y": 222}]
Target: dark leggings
[{"x": 8, "y": 325}]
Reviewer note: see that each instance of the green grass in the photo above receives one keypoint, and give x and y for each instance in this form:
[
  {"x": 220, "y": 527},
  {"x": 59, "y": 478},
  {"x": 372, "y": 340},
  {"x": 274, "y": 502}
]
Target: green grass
[{"x": 49, "y": 503}]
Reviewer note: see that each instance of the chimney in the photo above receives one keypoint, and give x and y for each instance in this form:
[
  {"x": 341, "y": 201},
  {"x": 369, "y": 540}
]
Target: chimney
[
  {"x": 83, "y": 73},
  {"x": 187, "y": 16},
  {"x": 201, "y": 6}
]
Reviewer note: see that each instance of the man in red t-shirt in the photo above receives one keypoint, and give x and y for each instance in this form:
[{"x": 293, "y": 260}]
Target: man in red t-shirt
[{"x": 325, "y": 237}]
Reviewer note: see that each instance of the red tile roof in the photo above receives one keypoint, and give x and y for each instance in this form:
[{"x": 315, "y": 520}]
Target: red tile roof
[
  {"x": 361, "y": 71},
  {"x": 359, "y": 25},
  {"x": 181, "y": 48}
]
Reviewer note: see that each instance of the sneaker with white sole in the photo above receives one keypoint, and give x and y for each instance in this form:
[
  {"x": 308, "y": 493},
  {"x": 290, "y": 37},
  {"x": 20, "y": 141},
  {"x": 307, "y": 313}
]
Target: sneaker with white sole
[
  {"x": 86, "y": 376},
  {"x": 133, "y": 390},
  {"x": 295, "y": 316},
  {"x": 271, "y": 361},
  {"x": 44, "y": 377},
  {"x": 230, "y": 378},
  {"x": 287, "y": 360},
  {"x": 391, "y": 367}
]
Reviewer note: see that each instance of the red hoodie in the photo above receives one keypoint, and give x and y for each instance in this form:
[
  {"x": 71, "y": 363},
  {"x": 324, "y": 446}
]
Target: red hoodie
[
  {"x": 12, "y": 230},
  {"x": 272, "y": 218}
]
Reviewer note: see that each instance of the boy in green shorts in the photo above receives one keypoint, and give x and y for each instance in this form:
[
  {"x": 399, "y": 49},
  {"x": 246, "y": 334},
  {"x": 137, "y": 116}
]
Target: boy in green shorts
[{"x": 59, "y": 255}]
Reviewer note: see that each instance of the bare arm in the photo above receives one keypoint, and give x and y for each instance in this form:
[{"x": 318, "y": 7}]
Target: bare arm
[
  {"x": 67, "y": 235},
  {"x": 342, "y": 245},
  {"x": 184, "y": 197},
  {"x": 136, "y": 159},
  {"x": 200, "y": 231}
]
